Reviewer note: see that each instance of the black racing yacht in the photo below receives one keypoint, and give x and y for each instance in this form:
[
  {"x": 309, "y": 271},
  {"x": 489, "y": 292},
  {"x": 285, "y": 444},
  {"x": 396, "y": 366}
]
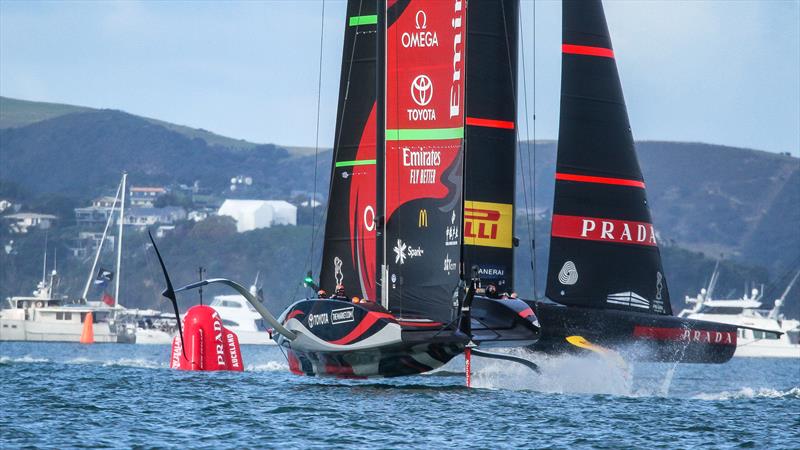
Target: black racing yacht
[{"x": 604, "y": 274}]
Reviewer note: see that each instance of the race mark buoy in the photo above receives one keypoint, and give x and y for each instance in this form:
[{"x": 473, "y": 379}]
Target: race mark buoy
[{"x": 209, "y": 345}]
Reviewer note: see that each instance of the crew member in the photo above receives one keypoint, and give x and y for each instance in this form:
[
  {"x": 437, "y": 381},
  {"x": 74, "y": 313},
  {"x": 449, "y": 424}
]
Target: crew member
[
  {"x": 322, "y": 293},
  {"x": 340, "y": 294},
  {"x": 491, "y": 291}
]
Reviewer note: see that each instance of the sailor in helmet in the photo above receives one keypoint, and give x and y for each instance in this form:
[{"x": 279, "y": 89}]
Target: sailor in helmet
[
  {"x": 322, "y": 293},
  {"x": 340, "y": 294}
]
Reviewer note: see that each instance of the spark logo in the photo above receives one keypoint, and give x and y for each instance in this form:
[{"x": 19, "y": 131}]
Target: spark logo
[{"x": 488, "y": 224}]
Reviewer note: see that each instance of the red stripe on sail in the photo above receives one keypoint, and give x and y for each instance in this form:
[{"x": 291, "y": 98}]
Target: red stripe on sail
[
  {"x": 688, "y": 335},
  {"x": 587, "y": 50},
  {"x": 490, "y": 123},
  {"x": 603, "y": 230},
  {"x": 362, "y": 327},
  {"x": 599, "y": 180}
]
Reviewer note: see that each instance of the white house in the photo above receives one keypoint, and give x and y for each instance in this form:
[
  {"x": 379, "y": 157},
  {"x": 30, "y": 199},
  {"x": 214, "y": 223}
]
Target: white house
[
  {"x": 20, "y": 222},
  {"x": 254, "y": 214}
]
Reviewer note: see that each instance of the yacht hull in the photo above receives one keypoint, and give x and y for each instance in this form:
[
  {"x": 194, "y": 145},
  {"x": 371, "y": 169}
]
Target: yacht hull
[
  {"x": 26, "y": 330},
  {"x": 346, "y": 340},
  {"x": 643, "y": 337}
]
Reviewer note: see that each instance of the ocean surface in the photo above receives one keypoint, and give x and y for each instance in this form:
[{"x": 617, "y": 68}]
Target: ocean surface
[{"x": 114, "y": 395}]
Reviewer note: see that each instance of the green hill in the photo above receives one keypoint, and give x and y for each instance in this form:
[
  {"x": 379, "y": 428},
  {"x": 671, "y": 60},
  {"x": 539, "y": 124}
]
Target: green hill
[
  {"x": 19, "y": 113},
  {"x": 706, "y": 200}
]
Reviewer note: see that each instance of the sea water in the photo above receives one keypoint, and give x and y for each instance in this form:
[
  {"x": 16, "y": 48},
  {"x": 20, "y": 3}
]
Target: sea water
[{"x": 107, "y": 395}]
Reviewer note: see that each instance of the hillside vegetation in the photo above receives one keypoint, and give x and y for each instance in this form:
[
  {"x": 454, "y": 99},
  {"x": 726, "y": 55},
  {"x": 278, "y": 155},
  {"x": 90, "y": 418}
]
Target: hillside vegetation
[{"x": 707, "y": 200}]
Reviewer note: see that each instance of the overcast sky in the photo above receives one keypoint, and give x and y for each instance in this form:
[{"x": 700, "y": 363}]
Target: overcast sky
[{"x": 723, "y": 72}]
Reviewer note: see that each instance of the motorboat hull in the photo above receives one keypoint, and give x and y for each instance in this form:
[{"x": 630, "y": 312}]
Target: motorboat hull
[{"x": 644, "y": 337}]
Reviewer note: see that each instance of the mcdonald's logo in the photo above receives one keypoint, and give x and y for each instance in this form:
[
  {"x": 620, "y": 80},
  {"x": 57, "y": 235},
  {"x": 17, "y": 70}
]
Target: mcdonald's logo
[
  {"x": 422, "y": 221},
  {"x": 488, "y": 224}
]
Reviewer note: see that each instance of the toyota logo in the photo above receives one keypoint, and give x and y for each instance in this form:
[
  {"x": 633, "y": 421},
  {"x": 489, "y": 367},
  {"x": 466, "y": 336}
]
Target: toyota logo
[{"x": 422, "y": 90}]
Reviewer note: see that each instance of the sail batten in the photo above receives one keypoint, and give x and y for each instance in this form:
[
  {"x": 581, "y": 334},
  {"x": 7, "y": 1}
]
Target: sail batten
[{"x": 604, "y": 247}]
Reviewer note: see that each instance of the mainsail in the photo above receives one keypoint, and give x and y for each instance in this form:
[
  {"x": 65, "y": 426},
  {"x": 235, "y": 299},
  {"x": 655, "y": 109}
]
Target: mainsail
[
  {"x": 423, "y": 173},
  {"x": 350, "y": 244},
  {"x": 603, "y": 249},
  {"x": 491, "y": 141}
]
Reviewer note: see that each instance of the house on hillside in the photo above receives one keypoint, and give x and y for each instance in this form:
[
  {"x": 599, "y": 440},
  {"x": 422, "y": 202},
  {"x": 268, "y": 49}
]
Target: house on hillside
[
  {"x": 21, "y": 222},
  {"x": 144, "y": 217},
  {"x": 145, "y": 196},
  {"x": 98, "y": 213},
  {"x": 254, "y": 214}
]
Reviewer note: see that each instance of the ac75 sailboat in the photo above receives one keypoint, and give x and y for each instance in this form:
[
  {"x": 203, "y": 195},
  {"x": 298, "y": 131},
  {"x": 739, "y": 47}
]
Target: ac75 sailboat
[
  {"x": 605, "y": 279},
  {"x": 396, "y": 207}
]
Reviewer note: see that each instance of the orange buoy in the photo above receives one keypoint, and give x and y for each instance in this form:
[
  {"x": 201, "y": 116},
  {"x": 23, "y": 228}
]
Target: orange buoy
[{"x": 87, "y": 336}]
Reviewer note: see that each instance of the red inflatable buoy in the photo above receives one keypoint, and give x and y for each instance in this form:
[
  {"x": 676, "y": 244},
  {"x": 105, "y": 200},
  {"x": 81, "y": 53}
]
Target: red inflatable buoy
[{"x": 209, "y": 345}]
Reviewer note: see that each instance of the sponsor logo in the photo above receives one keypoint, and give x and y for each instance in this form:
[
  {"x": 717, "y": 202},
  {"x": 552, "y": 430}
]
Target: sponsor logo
[
  {"x": 424, "y": 165},
  {"x": 659, "y": 285},
  {"x": 422, "y": 220},
  {"x": 219, "y": 347},
  {"x": 422, "y": 90},
  {"x": 421, "y": 37},
  {"x": 568, "y": 275},
  {"x": 403, "y": 251},
  {"x": 628, "y": 299},
  {"x": 317, "y": 319},
  {"x": 455, "y": 88},
  {"x": 604, "y": 230},
  {"x": 342, "y": 315},
  {"x": 681, "y": 334},
  {"x": 422, "y": 94},
  {"x": 232, "y": 350},
  {"x": 337, "y": 270},
  {"x": 488, "y": 224},
  {"x": 449, "y": 264},
  {"x": 491, "y": 272},
  {"x": 711, "y": 337},
  {"x": 369, "y": 218},
  {"x": 451, "y": 232}
]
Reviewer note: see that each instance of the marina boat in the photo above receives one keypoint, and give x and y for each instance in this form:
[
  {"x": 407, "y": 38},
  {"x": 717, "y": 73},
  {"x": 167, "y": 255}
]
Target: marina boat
[
  {"x": 767, "y": 333},
  {"x": 236, "y": 313},
  {"x": 46, "y": 316}
]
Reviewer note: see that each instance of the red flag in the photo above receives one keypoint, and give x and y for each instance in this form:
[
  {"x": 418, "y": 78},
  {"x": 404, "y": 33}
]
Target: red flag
[{"x": 108, "y": 300}]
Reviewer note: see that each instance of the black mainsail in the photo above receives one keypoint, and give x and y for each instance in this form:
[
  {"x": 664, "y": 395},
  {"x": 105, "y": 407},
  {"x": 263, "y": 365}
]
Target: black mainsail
[
  {"x": 491, "y": 141},
  {"x": 603, "y": 249},
  {"x": 348, "y": 256}
]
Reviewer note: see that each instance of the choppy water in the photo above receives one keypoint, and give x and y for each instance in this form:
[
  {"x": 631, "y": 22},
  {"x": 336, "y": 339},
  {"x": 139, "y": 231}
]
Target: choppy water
[{"x": 68, "y": 395}]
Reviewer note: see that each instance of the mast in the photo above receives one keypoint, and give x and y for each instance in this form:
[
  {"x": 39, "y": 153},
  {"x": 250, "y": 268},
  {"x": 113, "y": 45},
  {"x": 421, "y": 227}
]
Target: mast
[
  {"x": 119, "y": 245},
  {"x": 84, "y": 295},
  {"x": 603, "y": 248},
  {"x": 380, "y": 145}
]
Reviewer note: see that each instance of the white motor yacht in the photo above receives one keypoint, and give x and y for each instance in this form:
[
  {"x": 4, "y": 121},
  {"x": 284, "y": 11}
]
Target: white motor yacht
[{"x": 772, "y": 336}]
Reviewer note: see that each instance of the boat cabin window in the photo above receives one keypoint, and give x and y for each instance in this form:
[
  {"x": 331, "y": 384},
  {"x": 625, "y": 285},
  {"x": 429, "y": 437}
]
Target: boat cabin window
[
  {"x": 229, "y": 323},
  {"x": 723, "y": 310},
  {"x": 758, "y": 334},
  {"x": 231, "y": 304},
  {"x": 64, "y": 316}
]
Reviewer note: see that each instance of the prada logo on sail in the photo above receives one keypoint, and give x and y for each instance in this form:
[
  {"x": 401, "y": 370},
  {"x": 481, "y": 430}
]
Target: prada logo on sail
[
  {"x": 488, "y": 224},
  {"x": 603, "y": 230}
]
